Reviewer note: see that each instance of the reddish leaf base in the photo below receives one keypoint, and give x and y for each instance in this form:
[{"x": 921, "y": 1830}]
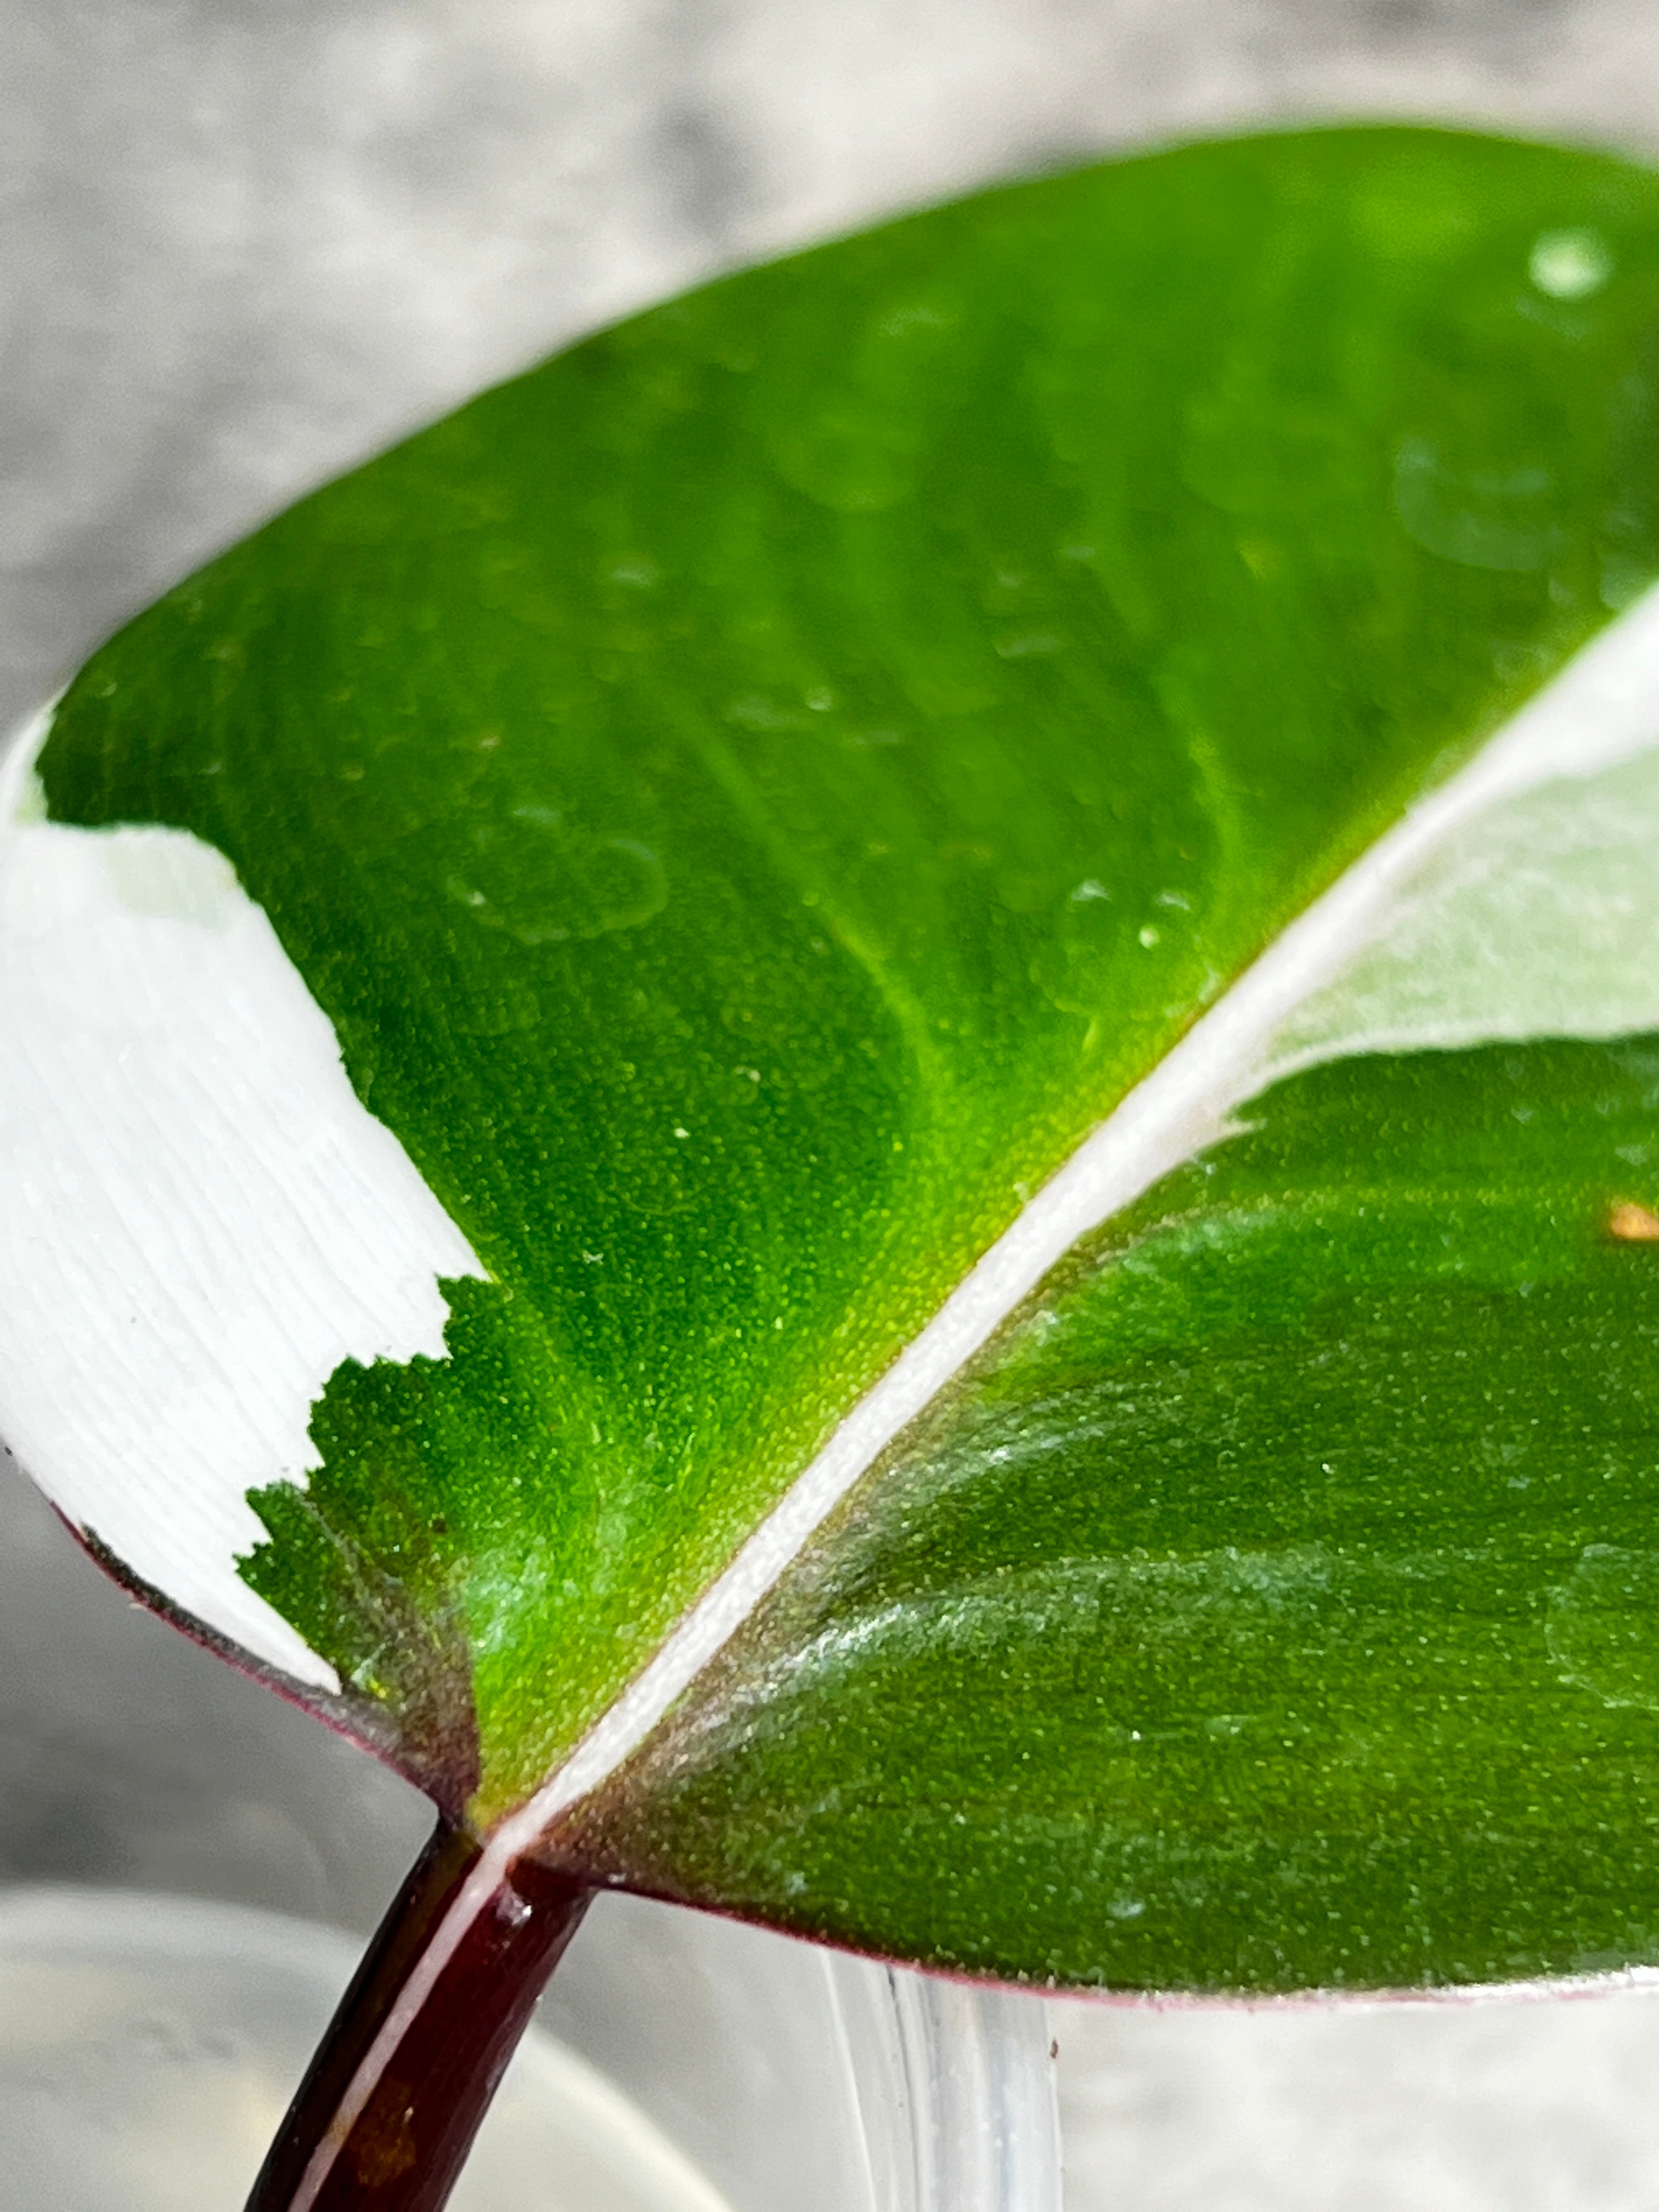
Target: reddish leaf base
[{"x": 384, "y": 2124}]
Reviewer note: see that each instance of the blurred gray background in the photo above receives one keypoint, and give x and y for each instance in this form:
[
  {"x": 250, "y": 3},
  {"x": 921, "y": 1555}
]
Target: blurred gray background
[{"x": 243, "y": 243}]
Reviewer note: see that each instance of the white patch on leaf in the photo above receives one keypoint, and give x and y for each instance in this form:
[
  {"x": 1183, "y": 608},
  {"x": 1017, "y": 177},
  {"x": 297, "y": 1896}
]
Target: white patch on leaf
[
  {"x": 1539, "y": 918},
  {"x": 199, "y": 1220}
]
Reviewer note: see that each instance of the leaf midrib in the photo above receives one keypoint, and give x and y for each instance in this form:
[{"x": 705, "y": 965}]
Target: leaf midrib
[{"x": 1589, "y": 716}]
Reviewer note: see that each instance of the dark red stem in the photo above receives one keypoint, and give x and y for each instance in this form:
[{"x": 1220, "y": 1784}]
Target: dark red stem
[{"x": 428, "y": 2089}]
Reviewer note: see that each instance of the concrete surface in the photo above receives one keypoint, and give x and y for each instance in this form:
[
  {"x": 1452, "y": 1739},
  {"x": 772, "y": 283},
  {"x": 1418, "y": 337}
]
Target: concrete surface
[{"x": 246, "y": 241}]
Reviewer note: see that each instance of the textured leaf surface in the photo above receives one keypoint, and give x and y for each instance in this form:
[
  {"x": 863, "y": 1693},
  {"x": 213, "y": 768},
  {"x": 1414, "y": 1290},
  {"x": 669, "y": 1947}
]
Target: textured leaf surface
[
  {"x": 1275, "y": 1606},
  {"x": 750, "y": 798}
]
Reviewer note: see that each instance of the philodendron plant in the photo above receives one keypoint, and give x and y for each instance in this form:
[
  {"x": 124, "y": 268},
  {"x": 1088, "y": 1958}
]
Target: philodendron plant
[{"x": 853, "y": 1109}]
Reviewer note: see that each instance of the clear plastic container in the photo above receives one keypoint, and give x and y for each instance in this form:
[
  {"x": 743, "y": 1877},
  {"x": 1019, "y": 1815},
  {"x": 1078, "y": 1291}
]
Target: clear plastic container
[{"x": 187, "y": 1866}]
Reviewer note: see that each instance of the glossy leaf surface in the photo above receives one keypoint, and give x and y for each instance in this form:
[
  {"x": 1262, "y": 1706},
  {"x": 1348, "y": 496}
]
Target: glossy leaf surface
[{"x": 749, "y": 798}]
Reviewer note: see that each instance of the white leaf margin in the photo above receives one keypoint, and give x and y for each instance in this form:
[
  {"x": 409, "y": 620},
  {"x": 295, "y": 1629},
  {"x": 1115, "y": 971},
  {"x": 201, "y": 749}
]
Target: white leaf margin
[{"x": 199, "y": 1220}]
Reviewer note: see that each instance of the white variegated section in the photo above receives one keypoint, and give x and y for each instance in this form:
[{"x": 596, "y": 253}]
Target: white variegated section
[
  {"x": 1538, "y": 917},
  {"x": 199, "y": 1220}
]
